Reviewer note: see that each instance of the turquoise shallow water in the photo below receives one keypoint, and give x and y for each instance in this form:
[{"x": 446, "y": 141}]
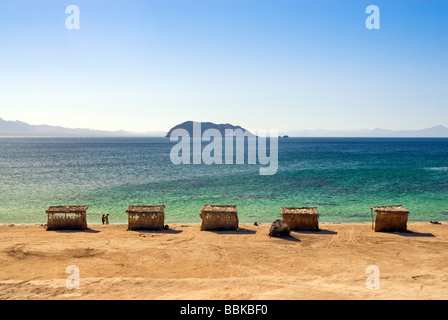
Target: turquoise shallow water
[{"x": 343, "y": 177}]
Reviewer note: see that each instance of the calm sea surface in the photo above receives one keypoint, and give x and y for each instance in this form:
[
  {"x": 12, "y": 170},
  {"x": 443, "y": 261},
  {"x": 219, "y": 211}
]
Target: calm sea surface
[{"x": 343, "y": 177}]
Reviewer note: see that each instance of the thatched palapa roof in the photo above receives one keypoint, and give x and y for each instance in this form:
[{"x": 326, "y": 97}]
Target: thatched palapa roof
[
  {"x": 397, "y": 209},
  {"x": 302, "y": 210},
  {"x": 67, "y": 209},
  {"x": 219, "y": 208},
  {"x": 145, "y": 209}
]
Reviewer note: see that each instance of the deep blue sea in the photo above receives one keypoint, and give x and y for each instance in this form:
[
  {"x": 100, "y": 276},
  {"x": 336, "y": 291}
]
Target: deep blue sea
[{"x": 343, "y": 177}]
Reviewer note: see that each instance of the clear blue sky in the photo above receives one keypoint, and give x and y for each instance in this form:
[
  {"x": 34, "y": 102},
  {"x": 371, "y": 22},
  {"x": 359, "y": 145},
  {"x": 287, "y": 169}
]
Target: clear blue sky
[{"x": 287, "y": 65}]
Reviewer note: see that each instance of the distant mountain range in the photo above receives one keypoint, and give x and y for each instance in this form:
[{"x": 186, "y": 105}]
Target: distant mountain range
[
  {"x": 22, "y": 129},
  {"x": 433, "y": 132}
]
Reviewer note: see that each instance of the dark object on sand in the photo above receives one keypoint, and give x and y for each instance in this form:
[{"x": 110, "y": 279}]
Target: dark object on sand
[
  {"x": 279, "y": 229},
  {"x": 255, "y": 223},
  {"x": 434, "y": 222},
  {"x": 166, "y": 227}
]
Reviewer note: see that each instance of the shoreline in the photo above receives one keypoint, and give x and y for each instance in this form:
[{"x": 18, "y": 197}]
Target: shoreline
[
  {"x": 242, "y": 223},
  {"x": 185, "y": 263}
]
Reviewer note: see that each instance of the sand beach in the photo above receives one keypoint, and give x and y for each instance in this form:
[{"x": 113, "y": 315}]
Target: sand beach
[{"x": 184, "y": 262}]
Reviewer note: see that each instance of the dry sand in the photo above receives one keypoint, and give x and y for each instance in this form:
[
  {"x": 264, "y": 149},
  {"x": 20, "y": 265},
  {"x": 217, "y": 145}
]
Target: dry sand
[{"x": 186, "y": 263}]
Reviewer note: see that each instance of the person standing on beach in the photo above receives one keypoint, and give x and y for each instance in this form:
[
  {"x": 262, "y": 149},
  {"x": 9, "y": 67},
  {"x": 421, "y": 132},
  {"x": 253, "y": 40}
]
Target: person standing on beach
[
  {"x": 103, "y": 218},
  {"x": 107, "y": 218}
]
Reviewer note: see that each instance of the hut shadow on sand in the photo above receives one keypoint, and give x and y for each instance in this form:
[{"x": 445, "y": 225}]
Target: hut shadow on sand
[
  {"x": 320, "y": 231},
  {"x": 241, "y": 231},
  {"x": 411, "y": 234},
  {"x": 163, "y": 231},
  {"x": 88, "y": 230},
  {"x": 291, "y": 238}
]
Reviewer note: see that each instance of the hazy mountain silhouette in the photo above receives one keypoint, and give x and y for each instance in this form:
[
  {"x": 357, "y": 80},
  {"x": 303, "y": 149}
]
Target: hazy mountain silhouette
[
  {"x": 23, "y": 129},
  {"x": 433, "y": 132}
]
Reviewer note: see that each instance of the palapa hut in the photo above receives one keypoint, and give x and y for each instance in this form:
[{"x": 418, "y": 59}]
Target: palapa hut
[
  {"x": 146, "y": 217},
  {"x": 219, "y": 217},
  {"x": 67, "y": 218},
  {"x": 390, "y": 218},
  {"x": 304, "y": 218}
]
